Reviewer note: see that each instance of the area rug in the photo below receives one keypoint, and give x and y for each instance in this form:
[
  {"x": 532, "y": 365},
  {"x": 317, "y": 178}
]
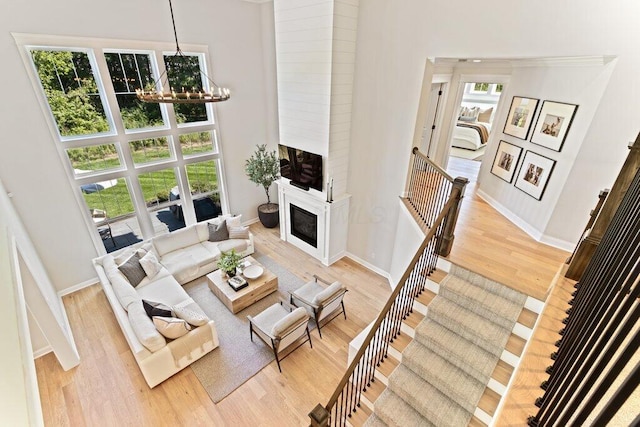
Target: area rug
[
  {"x": 237, "y": 359},
  {"x": 468, "y": 154}
]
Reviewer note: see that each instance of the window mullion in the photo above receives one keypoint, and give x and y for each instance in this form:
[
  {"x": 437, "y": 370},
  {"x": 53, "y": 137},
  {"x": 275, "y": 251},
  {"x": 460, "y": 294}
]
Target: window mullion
[{"x": 146, "y": 227}]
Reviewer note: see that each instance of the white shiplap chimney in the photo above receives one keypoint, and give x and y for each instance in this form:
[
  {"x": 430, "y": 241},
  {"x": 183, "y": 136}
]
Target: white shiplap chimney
[{"x": 315, "y": 55}]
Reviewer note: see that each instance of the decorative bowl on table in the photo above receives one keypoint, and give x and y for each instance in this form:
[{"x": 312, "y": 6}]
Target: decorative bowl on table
[{"x": 253, "y": 271}]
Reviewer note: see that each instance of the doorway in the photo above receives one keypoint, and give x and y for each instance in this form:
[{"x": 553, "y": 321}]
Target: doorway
[{"x": 474, "y": 117}]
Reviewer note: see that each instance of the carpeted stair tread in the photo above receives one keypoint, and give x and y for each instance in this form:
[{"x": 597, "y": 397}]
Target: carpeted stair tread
[
  {"x": 374, "y": 421},
  {"x": 488, "y": 284},
  {"x": 439, "y": 409},
  {"x": 457, "y": 350},
  {"x": 458, "y": 385},
  {"x": 395, "y": 412},
  {"x": 486, "y": 304},
  {"x": 474, "y": 328}
]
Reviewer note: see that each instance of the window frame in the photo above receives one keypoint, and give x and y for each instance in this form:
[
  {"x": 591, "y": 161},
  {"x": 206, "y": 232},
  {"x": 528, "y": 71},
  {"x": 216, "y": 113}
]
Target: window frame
[{"x": 95, "y": 49}]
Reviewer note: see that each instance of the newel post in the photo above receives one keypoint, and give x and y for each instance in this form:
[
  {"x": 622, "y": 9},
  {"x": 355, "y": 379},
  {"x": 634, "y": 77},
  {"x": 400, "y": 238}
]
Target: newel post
[
  {"x": 319, "y": 416},
  {"x": 446, "y": 240}
]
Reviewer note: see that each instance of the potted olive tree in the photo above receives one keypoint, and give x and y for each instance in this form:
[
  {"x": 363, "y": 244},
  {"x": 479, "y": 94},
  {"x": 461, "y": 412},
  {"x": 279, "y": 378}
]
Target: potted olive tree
[{"x": 263, "y": 167}]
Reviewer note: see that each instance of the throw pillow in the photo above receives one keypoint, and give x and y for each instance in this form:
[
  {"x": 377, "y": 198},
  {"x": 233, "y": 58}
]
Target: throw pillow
[
  {"x": 150, "y": 264},
  {"x": 235, "y": 221},
  {"x": 239, "y": 232},
  {"x": 132, "y": 270},
  {"x": 218, "y": 232},
  {"x": 192, "y": 317},
  {"x": 469, "y": 114},
  {"x": 485, "y": 115},
  {"x": 171, "y": 327},
  {"x": 156, "y": 309}
]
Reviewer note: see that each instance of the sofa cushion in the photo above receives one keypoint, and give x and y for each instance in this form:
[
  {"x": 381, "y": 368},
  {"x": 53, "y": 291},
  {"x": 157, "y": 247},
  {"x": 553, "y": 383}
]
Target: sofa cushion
[
  {"x": 212, "y": 248},
  {"x": 165, "y": 290},
  {"x": 187, "y": 261},
  {"x": 240, "y": 245},
  {"x": 171, "y": 327},
  {"x": 132, "y": 270},
  {"x": 125, "y": 293},
  {"x": 218, "y": 232},
  {"x": 175, "y": 240},
  {"x": 162, "y": 273},
  {"x": 144, "y": 328}
]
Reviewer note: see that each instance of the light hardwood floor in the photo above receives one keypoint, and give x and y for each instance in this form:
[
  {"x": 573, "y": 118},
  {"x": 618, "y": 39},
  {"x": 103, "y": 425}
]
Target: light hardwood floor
[
  {"x": 107, "y": 389},
  {"x": 487, "y": 243}
]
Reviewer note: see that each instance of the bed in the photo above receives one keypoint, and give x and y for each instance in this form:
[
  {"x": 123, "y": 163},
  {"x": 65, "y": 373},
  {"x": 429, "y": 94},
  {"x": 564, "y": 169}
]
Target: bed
[{"x": 470, "y": 135}]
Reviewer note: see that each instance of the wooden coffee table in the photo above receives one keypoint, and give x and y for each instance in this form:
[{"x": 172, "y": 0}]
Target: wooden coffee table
[{"x": 258, "y": 288}]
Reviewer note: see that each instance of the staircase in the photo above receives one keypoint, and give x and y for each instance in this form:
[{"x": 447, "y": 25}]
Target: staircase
[{"x": 444, "y": 372}]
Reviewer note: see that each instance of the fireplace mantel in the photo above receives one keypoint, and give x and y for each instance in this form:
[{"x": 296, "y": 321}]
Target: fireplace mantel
[{"x": 332, "y": 222}]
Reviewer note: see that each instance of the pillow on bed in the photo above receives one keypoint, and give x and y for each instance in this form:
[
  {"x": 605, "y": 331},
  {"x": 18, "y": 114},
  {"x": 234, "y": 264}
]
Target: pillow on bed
[
  {"x": 484, "y": 116},
  {"x": 469, "y": 114}
]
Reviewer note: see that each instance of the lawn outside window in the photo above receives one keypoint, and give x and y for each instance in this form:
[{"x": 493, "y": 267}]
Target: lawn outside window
[{"x": 131, "y": 184}]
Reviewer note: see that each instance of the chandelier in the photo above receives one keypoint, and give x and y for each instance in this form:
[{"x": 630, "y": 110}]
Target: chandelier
[{"x": 194, "y": 96}]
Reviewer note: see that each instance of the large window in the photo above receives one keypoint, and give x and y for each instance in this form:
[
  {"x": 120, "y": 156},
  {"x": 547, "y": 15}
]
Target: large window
[{"x": 134, "y": 166}]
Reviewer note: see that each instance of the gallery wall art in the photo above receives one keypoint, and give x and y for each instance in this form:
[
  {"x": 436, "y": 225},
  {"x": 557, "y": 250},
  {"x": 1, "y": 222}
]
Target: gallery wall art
[
  {"x": 506, "y": 161},
  {"x": 534, "y": 174},
  {"x": 553, "y": 124},
  {"x": 520, "y": 116}
]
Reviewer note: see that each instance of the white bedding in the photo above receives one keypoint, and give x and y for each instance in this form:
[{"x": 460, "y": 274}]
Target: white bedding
[{"x": 467, "y": 138}]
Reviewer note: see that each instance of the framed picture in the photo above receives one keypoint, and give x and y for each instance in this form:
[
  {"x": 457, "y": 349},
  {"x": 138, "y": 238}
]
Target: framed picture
[
  {"x": 506, "y": 160},
  {"x": 553, "y": 124},
  {"x": 534, "y": 174},
  {"x": 520, "y": 117}
]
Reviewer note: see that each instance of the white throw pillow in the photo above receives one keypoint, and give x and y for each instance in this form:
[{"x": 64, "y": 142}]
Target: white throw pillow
[
  {"x": 235, "y": 221},
  {"x": 171, "y": 327},
  {"x": 150, "y": 264},
  {"x": 190, "y": 316},
  {"x": 238, "y": 232}
]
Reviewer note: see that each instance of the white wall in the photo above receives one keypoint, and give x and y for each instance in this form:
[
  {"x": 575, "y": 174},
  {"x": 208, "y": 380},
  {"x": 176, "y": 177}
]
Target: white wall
[
  {"x": 577, "y": 84},
  {"x": 394, "y": 38},
  {"x": 19, "y": 399},
  {"x": 29, "y": 164}
]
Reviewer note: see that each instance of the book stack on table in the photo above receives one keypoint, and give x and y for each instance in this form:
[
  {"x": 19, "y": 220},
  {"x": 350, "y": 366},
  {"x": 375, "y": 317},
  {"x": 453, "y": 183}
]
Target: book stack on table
[{"x": 237, "y": 283}]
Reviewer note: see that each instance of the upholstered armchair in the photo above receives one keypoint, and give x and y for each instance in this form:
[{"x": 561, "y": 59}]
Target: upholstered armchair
[
  {"x": 322, "y": 299},
  {"x": 280, "y": 326}
]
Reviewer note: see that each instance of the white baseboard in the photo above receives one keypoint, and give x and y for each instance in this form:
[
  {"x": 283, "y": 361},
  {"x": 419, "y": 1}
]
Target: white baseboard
[
  {"x": 251, "y": 221},
  {"x": 75, "y": 288},
  {"x": 42, "y": 351},
  {"x": 370, "y": 266},
  {"x": 525, "y": 226}
]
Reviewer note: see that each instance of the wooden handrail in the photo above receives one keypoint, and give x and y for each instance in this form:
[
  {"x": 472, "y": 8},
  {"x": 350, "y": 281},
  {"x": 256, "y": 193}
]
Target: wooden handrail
[
  {"x": 443, "y": 172},
  {"x": 392, "y": 298}
]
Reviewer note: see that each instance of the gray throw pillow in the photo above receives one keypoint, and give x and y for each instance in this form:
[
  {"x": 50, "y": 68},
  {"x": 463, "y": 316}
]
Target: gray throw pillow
[
  {"x": 132, "y": 270},
  {"x": 218, "y": 232}
]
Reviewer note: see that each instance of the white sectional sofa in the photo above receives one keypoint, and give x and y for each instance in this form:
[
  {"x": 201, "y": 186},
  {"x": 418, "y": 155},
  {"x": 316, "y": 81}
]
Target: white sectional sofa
[{"x": 183, "y": 255}]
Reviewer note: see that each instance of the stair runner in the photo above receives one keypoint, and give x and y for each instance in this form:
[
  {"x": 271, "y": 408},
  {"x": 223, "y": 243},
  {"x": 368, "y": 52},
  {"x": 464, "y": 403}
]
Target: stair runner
[{"x": 446, "y": 368}]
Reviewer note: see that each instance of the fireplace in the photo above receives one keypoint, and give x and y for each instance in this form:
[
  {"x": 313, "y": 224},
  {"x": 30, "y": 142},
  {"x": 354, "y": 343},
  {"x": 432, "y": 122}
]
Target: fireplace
[
  {"x": 313, "y": 225},
  {"x": 304, "y": 225}
]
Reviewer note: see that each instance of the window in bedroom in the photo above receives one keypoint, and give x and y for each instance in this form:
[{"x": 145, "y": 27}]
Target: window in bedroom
[
  {"x": 480, "y": 87},
  {"x": 129, "y": 161}
]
